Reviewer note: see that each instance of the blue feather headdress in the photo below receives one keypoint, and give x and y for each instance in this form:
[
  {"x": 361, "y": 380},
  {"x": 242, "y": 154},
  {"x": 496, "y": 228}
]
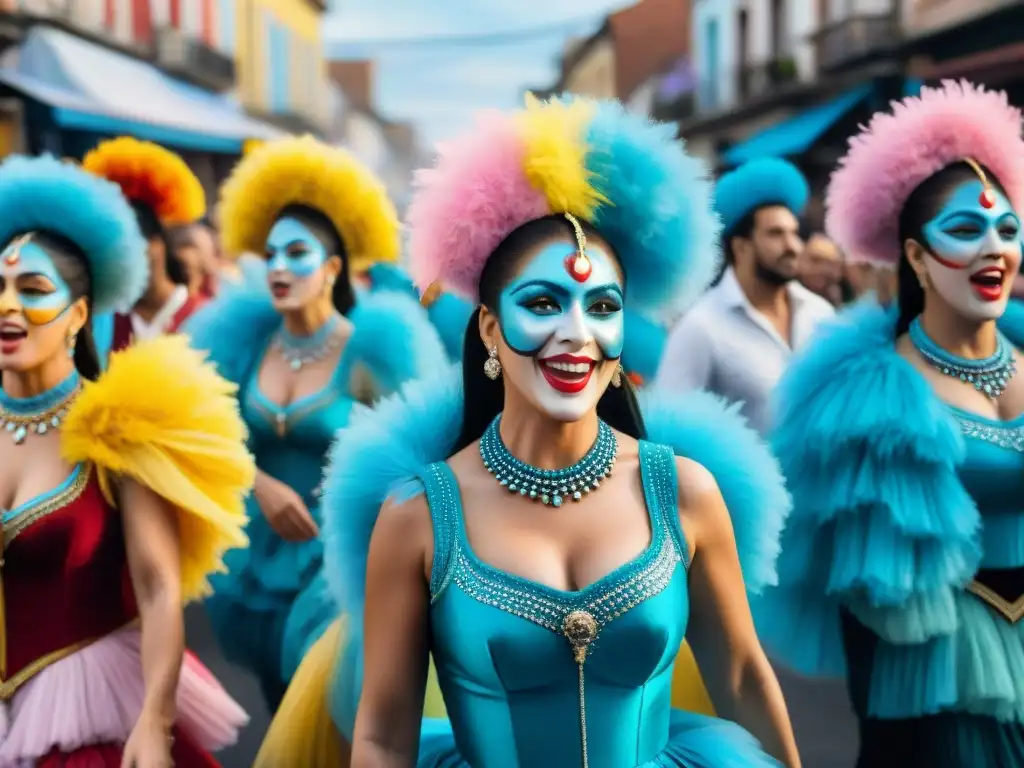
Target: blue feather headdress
[
  {"x": 767, "y": 181},
  {"x": 45, "y": 194}
]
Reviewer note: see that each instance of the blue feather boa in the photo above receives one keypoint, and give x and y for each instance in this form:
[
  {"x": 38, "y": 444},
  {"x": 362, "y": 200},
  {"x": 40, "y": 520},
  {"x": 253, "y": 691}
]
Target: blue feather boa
[
  {"x": 881, "y": 524},
  {"x": 381, "y": 451}
]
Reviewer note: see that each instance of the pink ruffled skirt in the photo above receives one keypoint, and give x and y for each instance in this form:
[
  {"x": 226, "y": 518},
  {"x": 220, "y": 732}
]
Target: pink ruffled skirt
[{"x": 94, "y": 696}]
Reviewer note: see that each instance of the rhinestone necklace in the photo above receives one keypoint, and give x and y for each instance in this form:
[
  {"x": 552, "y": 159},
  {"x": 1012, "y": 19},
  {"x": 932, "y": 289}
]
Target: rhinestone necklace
[
  {"x": 37, "y": 415},
  {"x": 549, "y": 486},
  {"x": 303, "y": 350},
  {"x": 989, "y": 375}
]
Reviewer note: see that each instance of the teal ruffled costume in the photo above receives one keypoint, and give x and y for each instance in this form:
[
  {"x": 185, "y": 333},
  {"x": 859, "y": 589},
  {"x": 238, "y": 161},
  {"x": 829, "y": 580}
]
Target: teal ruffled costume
[
  {"x": 508, "y": 677},
  {"x": 900, "y": 501},
  {"x": 273, "y": 604}
]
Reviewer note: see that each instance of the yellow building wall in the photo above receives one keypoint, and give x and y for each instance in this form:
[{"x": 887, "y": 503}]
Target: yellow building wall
[
  {"x": 308, "y": 67},
  {"x": 594, "y": 74}
]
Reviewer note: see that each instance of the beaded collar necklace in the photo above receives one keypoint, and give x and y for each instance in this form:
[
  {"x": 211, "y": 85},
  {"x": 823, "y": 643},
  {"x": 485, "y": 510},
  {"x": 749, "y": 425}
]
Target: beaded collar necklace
[
  {"x": 37, "y": 415},
  {"x": 989, "y": 375}
]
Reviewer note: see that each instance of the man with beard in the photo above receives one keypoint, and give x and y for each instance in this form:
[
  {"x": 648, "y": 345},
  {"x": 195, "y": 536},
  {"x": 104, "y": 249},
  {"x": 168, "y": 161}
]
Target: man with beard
[{"x": 738, "y": 337}]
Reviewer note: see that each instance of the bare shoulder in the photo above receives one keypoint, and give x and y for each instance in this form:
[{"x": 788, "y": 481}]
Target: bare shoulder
[
  {"x": 702, "y": 509},
  {"x": 404, "y": 528}
]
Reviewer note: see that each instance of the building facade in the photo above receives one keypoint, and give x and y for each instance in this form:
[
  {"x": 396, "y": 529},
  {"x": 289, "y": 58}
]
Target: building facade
[{"x": 281, "y": 68}]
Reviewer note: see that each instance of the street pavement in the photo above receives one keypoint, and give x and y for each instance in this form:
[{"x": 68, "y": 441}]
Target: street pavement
[{"x": 239, "y": 683}]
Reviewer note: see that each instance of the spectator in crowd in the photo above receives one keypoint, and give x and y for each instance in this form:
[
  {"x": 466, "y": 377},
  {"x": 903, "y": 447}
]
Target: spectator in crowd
[
  {"x": 820, "y": 268},
  {"x": 738, "y": 337}
]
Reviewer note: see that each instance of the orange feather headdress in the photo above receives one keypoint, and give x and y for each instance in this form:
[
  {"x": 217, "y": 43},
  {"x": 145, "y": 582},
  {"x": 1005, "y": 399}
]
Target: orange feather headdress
[{"x": 149, "y": 174}]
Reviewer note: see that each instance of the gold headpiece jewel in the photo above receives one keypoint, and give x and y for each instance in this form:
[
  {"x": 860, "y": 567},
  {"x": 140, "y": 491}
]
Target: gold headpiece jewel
[
  {"x": 578, "y": 264},
  {"x": 12, "y": 253},
  {"x": 987, "y": 198}
]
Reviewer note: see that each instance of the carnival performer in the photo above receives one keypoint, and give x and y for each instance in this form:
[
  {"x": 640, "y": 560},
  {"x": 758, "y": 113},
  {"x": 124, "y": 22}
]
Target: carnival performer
[
  {"x": 553, "y": 639},
  {"x": 164, "y": 193},
  {"x": 119, "y": 493},
  {"x": 737, "y": 339},
  {"x": 306, "y": 354},
  {"x": 900, "y": 436}
]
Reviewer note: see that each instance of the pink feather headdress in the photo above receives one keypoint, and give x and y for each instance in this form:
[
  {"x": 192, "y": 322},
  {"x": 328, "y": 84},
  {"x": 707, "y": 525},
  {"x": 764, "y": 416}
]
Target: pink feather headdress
[{"x": 896, "y": 152}]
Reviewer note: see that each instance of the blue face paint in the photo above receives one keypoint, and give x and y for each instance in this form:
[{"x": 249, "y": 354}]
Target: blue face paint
[
  {"x": 292, "y": 247},
  {"x": 544, "y": 300},
  {"x": 30, "y": 279},
  {"x": 965, "y": 230}
]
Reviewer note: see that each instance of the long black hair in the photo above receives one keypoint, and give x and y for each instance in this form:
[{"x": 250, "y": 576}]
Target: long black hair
[
  {"x": 342, "y": 294},
  {"x": 484, "y": 398},
  {"x": 921, "y": 207},
  {"x": 73, "y": 268}
]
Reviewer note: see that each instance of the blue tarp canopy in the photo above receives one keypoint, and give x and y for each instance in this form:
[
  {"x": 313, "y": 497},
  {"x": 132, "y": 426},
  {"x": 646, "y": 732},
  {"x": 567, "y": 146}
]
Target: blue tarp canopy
[
  {"x": 91, "y": 88},
  {"x": 796, "y": 135}
]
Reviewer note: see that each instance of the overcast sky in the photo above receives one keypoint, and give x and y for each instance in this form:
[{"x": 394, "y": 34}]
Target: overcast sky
[{"x": 440, "y": 61}]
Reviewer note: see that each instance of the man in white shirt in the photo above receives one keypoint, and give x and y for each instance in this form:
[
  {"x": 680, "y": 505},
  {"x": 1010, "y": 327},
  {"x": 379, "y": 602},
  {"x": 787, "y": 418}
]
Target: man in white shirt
[{"x": 737, "y": 339}]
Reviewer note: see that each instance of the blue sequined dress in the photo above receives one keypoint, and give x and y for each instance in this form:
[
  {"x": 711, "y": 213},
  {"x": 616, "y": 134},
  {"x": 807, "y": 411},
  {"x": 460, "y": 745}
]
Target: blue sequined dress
[
  {"x": 508, "y": 676},
  {"x": 273, "y": 603},
  {"x": 511, "y": 685},
  {"x": 903, "y": 564}
]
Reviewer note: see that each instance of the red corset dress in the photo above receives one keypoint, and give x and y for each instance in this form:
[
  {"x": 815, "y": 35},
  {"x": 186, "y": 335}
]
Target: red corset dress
[{"x": 70, "y": 663}]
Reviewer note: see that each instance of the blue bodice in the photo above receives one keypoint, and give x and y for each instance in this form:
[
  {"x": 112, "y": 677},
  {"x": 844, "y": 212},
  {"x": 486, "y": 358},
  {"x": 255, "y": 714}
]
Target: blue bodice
[
  {"x": 290, "y": 444},
  {"x": 993, "y": 474},
  {"x": 512, "y": 688}
]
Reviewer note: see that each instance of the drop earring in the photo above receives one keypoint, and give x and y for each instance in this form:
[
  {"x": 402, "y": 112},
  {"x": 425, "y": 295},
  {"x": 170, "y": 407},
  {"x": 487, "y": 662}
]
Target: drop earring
[
  {"x": 617, "y": 376},
  {"x": 72, "y": 342},
  {"x": 492, "y": 368}
]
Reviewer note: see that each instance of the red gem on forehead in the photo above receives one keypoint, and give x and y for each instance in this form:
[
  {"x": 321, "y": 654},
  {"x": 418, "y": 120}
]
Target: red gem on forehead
[
  {"x": 987, "y": 198},
  {"x": 578, "y": 267}
]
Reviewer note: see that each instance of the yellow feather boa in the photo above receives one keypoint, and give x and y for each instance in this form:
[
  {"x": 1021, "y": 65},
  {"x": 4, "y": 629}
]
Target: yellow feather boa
[{"x": 163, "y": 417}]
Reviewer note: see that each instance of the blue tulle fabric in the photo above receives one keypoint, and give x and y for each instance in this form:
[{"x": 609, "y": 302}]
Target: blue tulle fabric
[{"x": 898, "y": 500}]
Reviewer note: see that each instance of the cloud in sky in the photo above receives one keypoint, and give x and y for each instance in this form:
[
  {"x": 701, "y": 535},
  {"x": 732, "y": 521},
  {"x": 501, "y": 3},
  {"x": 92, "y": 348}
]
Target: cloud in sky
[{"x": 439, "y": 84}]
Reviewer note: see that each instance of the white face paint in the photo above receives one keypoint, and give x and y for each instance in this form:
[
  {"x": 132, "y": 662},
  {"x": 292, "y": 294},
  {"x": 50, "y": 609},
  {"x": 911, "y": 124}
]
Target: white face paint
[
  {"x": 974, "y": 251},
  {"x": 564, "y": 333}
]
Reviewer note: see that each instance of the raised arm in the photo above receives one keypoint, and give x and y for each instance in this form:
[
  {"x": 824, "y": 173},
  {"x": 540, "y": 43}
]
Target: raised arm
[
  {"x": 736, "y": 671},
  {"x": 395, "y": 638}
]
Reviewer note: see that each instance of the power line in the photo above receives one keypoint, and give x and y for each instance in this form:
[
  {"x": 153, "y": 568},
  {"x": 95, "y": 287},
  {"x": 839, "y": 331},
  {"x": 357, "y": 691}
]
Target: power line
[{"x": 491, "y": 38}]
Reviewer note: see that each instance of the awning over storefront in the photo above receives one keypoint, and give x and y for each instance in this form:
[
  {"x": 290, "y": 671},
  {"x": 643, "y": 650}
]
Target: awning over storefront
[
  {"x": 796, "y": 135},
  {"x": 91, "y": 88}
]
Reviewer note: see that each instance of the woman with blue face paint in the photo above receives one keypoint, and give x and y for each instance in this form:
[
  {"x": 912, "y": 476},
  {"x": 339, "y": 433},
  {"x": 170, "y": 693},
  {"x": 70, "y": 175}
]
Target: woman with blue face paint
[
  {"x": 522, "y": 519},
  {"x": 119, "y": 493},
  {"x": 306, "y": 354},
  {"x": 902, "y": 566}
]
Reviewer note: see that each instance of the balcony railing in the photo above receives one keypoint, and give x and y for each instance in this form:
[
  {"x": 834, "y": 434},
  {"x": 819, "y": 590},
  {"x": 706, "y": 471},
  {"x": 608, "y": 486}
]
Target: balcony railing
[
  {"x": 855, "y": 38},
  {"x": 764, "y": 77},
  {"x": 193, "y": 59}
]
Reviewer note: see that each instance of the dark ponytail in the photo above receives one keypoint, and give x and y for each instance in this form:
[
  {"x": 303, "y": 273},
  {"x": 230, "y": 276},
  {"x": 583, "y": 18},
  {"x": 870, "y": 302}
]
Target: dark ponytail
[
  {"x": 922, "y": 206},
  {"x": 484, "y": 399}
]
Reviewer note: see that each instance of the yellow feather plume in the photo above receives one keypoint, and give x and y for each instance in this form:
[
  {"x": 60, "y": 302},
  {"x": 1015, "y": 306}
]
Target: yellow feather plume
[
  {"x": 162, "y": 416},
  {"x": 556, "y": 153},
  {"x": 304, "y": 171},
  {"x": 147, "y": 173}
]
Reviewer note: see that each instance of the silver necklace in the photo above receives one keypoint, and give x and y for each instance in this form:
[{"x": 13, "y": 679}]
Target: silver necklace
[{"x": 299, "y": 351}]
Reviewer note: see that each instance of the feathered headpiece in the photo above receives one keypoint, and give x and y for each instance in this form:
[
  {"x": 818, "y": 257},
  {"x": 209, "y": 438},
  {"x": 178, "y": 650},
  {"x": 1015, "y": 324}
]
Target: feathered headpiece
[
  {"x": 304, "y": 171},
  {"x": 889, "y": 159},
  {"x": 44, "y": 194},
  {"x": 628, "y": 178},
  {"x": 149, "y": 174},
  {"x": 766, "y": 181}
]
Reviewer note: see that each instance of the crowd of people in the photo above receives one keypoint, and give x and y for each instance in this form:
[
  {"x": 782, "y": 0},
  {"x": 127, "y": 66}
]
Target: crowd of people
[{"x": 544, "y": 483}]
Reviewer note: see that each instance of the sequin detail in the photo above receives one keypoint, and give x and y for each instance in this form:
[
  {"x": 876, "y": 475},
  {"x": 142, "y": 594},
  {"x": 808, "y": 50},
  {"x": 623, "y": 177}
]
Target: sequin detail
[
  {"x": 606, "y": 600},
  {"x": 1011, "y": 437}
]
